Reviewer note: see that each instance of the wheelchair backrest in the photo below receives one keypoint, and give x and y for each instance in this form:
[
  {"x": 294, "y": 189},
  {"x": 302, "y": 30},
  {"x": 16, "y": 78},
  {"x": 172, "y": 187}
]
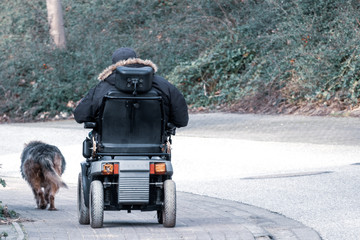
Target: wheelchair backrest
[{"x": 132, "y": 123}]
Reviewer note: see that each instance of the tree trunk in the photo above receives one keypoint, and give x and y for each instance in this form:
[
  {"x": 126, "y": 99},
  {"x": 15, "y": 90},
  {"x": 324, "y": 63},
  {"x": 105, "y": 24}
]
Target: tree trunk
[{"x": 56, "y": 22}]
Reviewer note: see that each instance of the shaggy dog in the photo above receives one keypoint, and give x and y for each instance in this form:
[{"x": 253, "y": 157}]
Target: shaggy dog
[{"x": 41, "y": 166}]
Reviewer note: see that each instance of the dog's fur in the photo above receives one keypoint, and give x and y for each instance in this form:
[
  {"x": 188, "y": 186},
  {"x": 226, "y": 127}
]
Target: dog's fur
[{"x": 42, "y": 166}]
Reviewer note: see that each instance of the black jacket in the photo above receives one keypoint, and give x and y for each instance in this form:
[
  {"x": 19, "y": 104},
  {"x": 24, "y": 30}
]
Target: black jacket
[{"x": 175, "y": 107}]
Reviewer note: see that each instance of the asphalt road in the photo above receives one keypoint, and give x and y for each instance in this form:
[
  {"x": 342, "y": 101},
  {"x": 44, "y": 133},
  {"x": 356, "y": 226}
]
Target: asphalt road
[{"x": 306, "y": 168}]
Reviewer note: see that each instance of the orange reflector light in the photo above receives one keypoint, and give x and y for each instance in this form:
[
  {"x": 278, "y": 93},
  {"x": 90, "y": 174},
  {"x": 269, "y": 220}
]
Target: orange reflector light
[
  {"x": 157, "y": 168},
  {"x": 116, "y": 168},
  {"x": 152, "y": 168},
  {"x": 160, "y": 168},
  {"x": 107, "y": 169}
]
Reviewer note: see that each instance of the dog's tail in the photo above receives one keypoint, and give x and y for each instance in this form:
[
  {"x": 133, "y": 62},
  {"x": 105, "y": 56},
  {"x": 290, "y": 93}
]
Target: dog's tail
[{"x": 50, "y": 174}]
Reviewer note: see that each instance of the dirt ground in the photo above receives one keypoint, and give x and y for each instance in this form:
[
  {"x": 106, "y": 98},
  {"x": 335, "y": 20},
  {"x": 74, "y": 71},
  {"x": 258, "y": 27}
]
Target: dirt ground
[{"x": 255, "y": 105}]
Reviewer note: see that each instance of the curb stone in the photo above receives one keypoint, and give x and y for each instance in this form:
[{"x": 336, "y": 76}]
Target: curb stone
[{"x": 13, "y": 230}]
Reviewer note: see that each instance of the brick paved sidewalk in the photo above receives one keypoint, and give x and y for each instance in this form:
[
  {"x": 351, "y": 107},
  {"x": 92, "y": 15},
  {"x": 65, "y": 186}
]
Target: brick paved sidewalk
[{"x": 198, "y": 217}]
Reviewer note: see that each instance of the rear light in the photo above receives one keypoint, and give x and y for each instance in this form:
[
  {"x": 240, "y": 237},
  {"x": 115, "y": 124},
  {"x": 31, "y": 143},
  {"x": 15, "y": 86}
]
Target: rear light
[
  {"x": 158, "y": 168},
  {"x": 116, "y": 168},
  {"x": 152, "y": 168},
  {"x": 108, "y": 169}
]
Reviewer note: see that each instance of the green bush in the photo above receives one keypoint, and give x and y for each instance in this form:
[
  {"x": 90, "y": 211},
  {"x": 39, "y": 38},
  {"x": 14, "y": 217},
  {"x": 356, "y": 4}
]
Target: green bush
[
  {"x": 38, "y": 81},
  {"x": 283, "y": 53},
  {"x": 4, "y": 234},
  {"x": 216, "y": 77},
  {"x": 296, "y": 52}
]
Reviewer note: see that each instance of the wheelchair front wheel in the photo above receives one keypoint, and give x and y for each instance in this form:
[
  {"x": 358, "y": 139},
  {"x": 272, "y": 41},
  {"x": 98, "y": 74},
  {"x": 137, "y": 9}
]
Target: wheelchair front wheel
[
  {"x": 83, "y": 210},
  {"x": 96, "y": 204}
]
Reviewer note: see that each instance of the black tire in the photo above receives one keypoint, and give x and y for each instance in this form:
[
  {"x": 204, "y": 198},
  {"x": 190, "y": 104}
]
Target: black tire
[
  {"x": 169, "y": 207},
  {"x": 96, "y": 204},
  {"x": 83, "y": 211}
]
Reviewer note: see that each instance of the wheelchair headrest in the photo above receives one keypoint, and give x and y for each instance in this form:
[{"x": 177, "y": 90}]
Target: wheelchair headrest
[{"x": 134, "y": 80}]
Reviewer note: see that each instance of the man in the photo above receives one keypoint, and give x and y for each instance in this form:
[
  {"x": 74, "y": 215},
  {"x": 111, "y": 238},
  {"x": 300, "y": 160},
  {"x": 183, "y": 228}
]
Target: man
[{"x": 175, "y": 107}]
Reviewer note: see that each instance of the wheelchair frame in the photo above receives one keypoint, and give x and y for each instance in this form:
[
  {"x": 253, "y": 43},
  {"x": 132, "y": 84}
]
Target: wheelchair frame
[{"x": 127, "y": 176}]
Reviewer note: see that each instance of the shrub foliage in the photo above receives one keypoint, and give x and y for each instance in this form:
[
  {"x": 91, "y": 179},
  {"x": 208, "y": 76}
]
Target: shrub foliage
[
  {"x": 290, "y": 53},
  {"x": 278, "y": 53}
]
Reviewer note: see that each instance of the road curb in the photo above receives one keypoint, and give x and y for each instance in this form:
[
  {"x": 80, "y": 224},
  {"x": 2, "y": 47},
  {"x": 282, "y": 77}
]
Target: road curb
[
  {"x": 19, "y": 231},
  {"x": 13, "y": 230}
]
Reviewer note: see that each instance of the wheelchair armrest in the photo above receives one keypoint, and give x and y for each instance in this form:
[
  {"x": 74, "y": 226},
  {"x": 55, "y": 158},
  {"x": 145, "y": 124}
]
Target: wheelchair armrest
[
  {"x": 89, "y": 124},
  {"x": 170, "y": 129}
]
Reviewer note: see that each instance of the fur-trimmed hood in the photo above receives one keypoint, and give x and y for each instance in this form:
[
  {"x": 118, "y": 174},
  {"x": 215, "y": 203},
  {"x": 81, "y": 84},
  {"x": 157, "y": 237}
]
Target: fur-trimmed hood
[{"x": 137, "y": 61}]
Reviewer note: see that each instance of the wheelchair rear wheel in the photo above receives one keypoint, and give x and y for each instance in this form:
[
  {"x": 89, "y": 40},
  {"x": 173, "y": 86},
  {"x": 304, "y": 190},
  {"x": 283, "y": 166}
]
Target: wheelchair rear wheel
[
  {"x": 169, "y": 208},
  {"x": 83, "y": 210},
  {"x": 96, "y": 204}
]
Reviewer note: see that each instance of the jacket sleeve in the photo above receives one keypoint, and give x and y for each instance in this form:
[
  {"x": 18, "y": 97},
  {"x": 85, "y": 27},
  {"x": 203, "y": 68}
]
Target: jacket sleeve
[
  {"x": 89, "y": 107},
  {"x": 84, "y": 110},
  {"x": 178, "y": 108}
]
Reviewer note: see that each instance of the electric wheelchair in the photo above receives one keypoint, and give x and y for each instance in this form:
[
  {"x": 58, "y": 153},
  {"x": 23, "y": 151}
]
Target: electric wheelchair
[{"x": 128, "y": 156}]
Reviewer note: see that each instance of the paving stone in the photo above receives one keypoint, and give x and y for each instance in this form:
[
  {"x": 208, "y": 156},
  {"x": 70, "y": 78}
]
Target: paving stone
[{"x": 198, "y": 217}]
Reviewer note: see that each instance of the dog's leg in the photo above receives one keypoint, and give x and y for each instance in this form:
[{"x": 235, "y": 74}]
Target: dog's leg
[
  {"x": 43, "y": 202},
  {"x": 52, "y": 191},
  {"x": 36, "y": 198},
  {"x": 35, "y": 183},
  {"x": 52, "y": 203},
  {"x": 39, "y": 196},
  {"x": 47, "y": 193}
]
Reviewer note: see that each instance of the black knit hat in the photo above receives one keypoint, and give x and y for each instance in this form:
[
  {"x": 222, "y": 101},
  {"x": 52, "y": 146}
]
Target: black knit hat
[{"x": 123, "y": 53}]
